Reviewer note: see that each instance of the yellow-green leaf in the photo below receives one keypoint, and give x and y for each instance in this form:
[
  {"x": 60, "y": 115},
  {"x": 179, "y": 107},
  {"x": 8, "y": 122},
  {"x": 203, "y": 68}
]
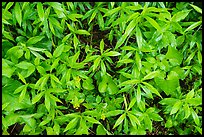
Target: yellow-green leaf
[
  {"x": 40, "y": 11},
  {"x": 196, "y": 8},
  {"x": 176, "y": 107},
  {"x": 119, "y": 120},
  {"x": 153, "y": 23},
  {"x": 18, "y": 13}
]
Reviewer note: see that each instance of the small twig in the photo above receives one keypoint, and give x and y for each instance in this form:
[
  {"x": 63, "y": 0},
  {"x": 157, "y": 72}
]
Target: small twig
[
  {"x": 13, "y": 127},
  {"x": 91, "y": 131}
]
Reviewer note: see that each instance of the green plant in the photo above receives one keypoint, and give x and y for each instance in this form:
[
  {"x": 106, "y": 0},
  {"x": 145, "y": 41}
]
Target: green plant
[{"x": 104, "y": 68}]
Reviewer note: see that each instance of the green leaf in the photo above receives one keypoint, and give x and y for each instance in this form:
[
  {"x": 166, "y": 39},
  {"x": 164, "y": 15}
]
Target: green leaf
[
  {"x": 196, "y": 8},
  {"x": 119, "y": 120},
  {"x": 173, "y": 53},
  {"x": 76, "y": 41},
  {"x": 100, "y": 20},
  {"x": 168, "y": 86},
  {"x": 194, "y": 25},
  {"x": 55, "y": 64},
  {"x": 70, "y": 27},
  {"x": 58, "y": 51},
  {"x": 155, "y": 117},
  {"x": 130, "y": 82},
  {"x": 101, "y": 46},
  {"x": 92, "y": 120},
  {"x": 71, "y": 124},
  {"x": 82, "y": 32},
  {"x": 168, "y": 101},
  {"x": 47, "y": 101},
  {"x": 102, "y": 87},
  {"x": 18, "y": 13},
  {"x": 55, "y": 22},
  {"x": 24, "y": 65},
  {"x": 49, "y": 131},
  {"x": 93, "y": 16},
  {"x": 112, "y": 53},
  {"x": 112, "y": 11},
  {"x": 34, "y": 40},
  {"x": 23, "y": 93},
  {"x": 180, "y": 15},
  {"x": 127, "y": 75},
  {"x": 147, "y": 91},
  {"x": 152, "y": 89},
  {"x": 113, "y": 113},
  {"x": 41, "y": 70},
  {"x": 130, "y": 27},
  {"x": 121, "y": 41},
  {"x": 132, "y": 103},
  {"x": 148, "y": 123},
  {"x": 169, "y": 123},
  {"x": 186, "y": 110},
  {"x": 96, "y": 63},
  {"x": 56, "y": 128},
  {"x": 6, "y": 69},
  {"x": 199, "y": 57},
  {"x": 8, "y": 36},
  {"x": 55, "y": 78},
  {"x": 190, "y": 94},
  {"x": 138, "y": 94},
  {"x": 103, "y": 67},
  {"x": 112, "y": 87},
  {"x": 139, "y": 37},
  {"x": 55, "y": 98},
  {"x": 40, "y": 11},
  {"x": 138, "y": 61},
  {"x": 195, "y": 101},
  {"x": 151, "y": 75},
  {"x": 100, "y": 130},
  {"x": 176, "y": 107},
  {"x": 5, "y": 105},
  {"x": 21, "y": 78},
  {"x": 37, "y": 97},
  {"x": 44, "y": 122},
  {"x": 188, "y": 60},
  {"x": 195, "y": 117},
  {"x": 87, "y": 84},
  {"x": 153, "y": 23},
  {"x": 37, "y": 55},
  {"x": 133, "y": 119}
]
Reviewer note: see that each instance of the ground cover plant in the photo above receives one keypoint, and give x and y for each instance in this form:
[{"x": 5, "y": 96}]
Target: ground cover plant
[{"x": 101, "y": 68}]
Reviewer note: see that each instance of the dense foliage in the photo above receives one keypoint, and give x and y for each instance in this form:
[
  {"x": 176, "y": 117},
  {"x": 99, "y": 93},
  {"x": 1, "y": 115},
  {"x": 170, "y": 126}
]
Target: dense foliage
[{"x": 101, "y": 68}]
